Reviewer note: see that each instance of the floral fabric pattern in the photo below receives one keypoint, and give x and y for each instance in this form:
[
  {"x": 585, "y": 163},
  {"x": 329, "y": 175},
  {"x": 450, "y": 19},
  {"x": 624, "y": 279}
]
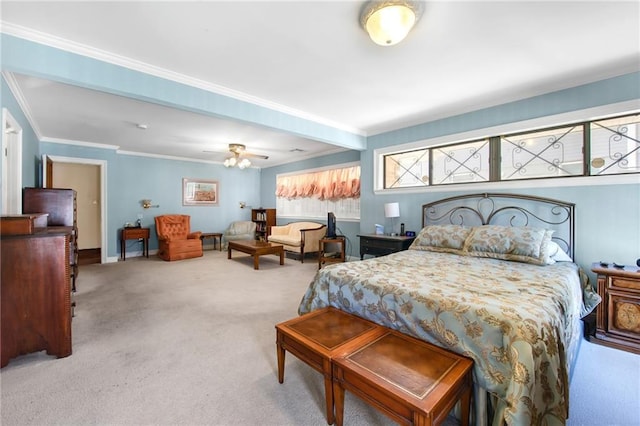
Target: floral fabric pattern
[
  {"x": 442, "y": 238},
  {"x": 521, "y": 244},
  {"x": 519, "y": 322}
]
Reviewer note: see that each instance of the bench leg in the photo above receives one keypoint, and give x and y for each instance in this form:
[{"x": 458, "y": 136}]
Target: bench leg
[
  {"x": 281, "y": 354},
  {"x": 338, "y": 402},
  {"x": 465, "y": 405},
  {"x": 328, "y": 388}
]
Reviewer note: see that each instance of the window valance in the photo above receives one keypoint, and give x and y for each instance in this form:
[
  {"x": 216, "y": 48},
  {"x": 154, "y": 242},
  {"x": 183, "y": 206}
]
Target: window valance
[{"x": 325, "y": 185}]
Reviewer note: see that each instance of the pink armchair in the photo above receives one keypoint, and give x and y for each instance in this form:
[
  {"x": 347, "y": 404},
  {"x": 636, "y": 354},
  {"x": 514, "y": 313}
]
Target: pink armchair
[{"x": 175, "y": 239}]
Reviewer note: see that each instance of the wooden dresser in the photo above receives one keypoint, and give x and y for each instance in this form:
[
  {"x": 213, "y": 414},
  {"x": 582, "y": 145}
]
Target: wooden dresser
[
  {"x": 35, "y": 293},
  {"x": 618, "y": 315},
  {"x": 61, "y": 206}
]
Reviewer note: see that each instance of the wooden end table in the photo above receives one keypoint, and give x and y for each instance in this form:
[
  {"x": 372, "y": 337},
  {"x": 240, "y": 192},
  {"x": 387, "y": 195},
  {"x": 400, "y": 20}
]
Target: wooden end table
[
  {"x": 256, "y": 249},
  {"x": 134, "y": 233},
  {"x": 324, "y": 257},
  {"x": 315, "y": 338},
  {"x": 216, "y": 236},
  {"x": 409, "y": 380}
]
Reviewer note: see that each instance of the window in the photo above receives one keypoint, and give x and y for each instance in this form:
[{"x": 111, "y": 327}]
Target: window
[
  {"x": 313, "y": 193},
  {"x": 615, "y": 146},
  {"x": 465, "y": 162},
  {"x": 547, "y": 153},
  {"x": 407, "y": 169},
  {"x": 593, "y": 148}
]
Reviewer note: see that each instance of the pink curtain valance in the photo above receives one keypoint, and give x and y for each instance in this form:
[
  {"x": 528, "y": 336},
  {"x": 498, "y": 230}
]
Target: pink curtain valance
[{"x": 326, "y": 185}]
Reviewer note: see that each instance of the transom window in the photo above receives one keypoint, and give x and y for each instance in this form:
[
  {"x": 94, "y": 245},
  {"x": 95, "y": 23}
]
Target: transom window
[{"x": 592, "y": 148}]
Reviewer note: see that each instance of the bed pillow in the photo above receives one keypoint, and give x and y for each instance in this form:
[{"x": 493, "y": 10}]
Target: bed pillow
[
  {"x": 554, "y": 253},
  {"x": 441, "y": 238},
  {"x": 518, "y": 243}
]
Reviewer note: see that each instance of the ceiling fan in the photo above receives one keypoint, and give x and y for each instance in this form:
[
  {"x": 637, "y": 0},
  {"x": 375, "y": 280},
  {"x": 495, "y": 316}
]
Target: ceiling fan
[{"x": 239, "y": 150}]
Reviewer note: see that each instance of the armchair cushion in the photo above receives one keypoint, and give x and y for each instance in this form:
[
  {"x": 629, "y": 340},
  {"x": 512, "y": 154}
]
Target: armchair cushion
[
  {"x": 175, "y": 239},
  {"x": 298, "y": 237}
]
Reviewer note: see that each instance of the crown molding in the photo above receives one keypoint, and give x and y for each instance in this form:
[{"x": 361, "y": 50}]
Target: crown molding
[
  {"x": 79, "y": 143},
  {"x": 22, "y": 102},
  {"x": 135, "y": 65}
]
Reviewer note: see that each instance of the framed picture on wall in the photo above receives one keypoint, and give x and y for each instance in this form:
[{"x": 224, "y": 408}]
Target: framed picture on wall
[{"x": 199, "y": 192}]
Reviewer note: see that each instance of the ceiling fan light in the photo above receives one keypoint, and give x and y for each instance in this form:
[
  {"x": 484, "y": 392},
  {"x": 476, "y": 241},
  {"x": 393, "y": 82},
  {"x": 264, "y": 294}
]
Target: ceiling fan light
[
  {"x": 389, "y": 21},
  {"x": 230, "y": 162},
  {"x": 244, "y": 163}
]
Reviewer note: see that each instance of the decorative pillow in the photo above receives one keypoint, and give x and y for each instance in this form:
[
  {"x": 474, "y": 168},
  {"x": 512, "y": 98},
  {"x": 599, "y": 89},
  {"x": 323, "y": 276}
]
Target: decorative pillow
[
  {"x": 441, "y": 238},
  {"x": 521, "y": 244}
]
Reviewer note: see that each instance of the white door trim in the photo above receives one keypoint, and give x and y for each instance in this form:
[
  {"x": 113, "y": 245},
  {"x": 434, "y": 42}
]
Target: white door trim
[
  {"x": 104, "y": 246},
  {"x": 11, "y": 164}
]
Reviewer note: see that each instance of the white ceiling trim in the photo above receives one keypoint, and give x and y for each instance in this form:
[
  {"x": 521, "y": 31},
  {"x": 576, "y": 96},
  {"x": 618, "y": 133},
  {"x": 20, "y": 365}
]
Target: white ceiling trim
[
  {"x": 22, "y": 102},
  {"x": 79, "y": 143},
  {"x": 101, "y": 55}
]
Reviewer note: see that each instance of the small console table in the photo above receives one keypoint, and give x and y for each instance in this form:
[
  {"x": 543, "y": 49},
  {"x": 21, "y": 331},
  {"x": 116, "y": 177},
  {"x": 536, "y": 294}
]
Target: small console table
[
  {"x": 134, "y": 234},
  {"x": 380, "y": 245}
]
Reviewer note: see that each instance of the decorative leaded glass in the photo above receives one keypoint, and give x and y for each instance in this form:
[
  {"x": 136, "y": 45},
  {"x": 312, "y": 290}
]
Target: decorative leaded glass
[
  {"x": 546, "y": 153},
  {"x": 615, "y": 146}
]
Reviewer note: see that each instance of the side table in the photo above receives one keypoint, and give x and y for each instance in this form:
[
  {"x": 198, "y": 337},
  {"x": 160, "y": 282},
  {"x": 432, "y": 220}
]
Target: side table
[
  {"x": 134, "y": 234},
  {"x": 331, "y": 257},
  {"x": 380, "y": 245},
  {"x": 216, "y": 236}
]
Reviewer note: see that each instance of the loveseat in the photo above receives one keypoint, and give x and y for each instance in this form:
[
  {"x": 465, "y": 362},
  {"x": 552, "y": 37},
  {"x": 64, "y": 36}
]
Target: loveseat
[
  {"x": 298, "y": 237},
  {"x": 175, "y": 239},
  {"x": 239, "y": 230}
]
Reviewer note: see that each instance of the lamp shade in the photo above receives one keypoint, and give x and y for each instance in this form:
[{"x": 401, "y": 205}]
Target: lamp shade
[{"x": 392, "y": 210}]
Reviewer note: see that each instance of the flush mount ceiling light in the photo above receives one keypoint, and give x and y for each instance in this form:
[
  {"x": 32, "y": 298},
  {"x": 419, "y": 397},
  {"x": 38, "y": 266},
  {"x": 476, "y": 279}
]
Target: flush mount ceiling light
[{"x": 389, "y": 21}]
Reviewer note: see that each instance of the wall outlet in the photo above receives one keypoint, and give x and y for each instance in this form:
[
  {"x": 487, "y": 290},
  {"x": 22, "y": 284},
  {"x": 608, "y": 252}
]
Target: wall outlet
[{"x": 140, "y": 216}]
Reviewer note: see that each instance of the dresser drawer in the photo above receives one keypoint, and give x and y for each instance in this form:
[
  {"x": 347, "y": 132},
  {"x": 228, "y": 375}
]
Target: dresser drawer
[
  {"x": 626, "y": 283},
  {"x": 133, "y": 233}
]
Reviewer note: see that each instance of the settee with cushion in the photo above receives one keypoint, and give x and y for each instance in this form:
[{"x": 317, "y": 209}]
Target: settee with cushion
[
  {"x": 298, "y": 237},
  {"x": 239, "y": 230},
  {"x": 175, "y": 239}
]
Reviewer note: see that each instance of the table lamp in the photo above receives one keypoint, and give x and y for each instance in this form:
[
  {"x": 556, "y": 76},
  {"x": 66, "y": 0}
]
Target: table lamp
[{"x": 392, "y": 211}]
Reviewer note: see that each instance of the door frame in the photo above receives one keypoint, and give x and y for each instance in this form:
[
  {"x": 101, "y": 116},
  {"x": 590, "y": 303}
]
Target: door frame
[
  {"x": 11, "y": 164},
  {"x": 47, "y": 164}
]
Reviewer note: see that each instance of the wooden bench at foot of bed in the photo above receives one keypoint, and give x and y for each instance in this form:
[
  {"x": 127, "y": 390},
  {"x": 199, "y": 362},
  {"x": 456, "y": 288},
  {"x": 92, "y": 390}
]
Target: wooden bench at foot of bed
[{"x": 409, "y": 380}]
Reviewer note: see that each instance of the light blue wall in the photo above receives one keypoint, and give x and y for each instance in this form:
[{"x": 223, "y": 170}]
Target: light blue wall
[{"x": 133, "y": 178}]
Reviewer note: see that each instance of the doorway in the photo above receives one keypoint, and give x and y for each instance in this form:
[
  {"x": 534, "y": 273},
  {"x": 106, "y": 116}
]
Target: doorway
[
  {"x": 87, "y": 177},
  {"x": 11, "y": 165}
]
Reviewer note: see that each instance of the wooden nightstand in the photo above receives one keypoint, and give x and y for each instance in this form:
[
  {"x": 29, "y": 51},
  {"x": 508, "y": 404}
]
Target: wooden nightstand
[
  {"x": 380, "y": 245},
  {"x": 134, "y": 234},
  {"x": 618, "y": 315},
  {"x": 331, "y": 257}
]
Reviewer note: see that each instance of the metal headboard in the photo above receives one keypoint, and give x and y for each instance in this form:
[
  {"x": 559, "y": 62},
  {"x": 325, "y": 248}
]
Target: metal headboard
[{"x": 506, "y": 210}]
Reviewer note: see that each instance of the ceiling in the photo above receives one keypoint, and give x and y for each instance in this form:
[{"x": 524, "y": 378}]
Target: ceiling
[{"x": 311, "y": 59}]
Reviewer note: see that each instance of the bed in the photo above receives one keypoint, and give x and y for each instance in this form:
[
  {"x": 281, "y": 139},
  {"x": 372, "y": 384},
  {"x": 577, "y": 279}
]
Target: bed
[{"x": 491, "y": 277}]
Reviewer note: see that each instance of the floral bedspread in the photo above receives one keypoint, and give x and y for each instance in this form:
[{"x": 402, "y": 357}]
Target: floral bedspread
[{"x": 518, "y": 322}]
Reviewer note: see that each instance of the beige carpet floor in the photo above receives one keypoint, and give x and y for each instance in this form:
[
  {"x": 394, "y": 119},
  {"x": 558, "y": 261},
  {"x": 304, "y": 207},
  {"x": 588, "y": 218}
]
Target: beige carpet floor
[{"x": 187, "y": 343}]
